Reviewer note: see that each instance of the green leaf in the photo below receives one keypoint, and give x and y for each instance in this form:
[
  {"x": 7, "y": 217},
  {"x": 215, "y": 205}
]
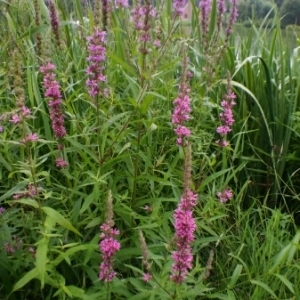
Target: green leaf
[
  {"x": 73, "y": 250},
  {"x": 264, "y": 286},
  {"x": 41, "y": 258},
  {"x": 96, "y": 221},
  {"x": 25, "y": 279},
  {"x": 30, "y": 202},
  {"x": 89, "y": 199},
  {"x": 286, "y": 282},
  {"x": 75, "y": 291},
  {"x": 59, "y": 219},
  {"x": 235, "y": 276}
]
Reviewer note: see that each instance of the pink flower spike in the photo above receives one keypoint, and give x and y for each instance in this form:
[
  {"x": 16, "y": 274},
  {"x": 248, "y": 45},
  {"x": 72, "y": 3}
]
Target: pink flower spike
[
  {"x": 32, "y": 137},
  {"x": 108, "y": 247},
  {"x": 25, "y": 111},
  {"x": 147, "y": 277},
  {"x": 225, "y": 195},
  {"x": 60, "y": 163},
  {"x": 15, "y": 119}
]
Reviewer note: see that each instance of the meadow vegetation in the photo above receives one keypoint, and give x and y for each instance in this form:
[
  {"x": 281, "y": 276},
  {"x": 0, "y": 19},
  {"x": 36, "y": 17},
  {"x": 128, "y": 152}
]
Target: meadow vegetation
[{"x": 146, "y": 157}]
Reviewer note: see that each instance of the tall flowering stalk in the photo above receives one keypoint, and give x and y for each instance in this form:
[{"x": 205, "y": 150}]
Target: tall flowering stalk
[
  {"x": 226, "y": 116},
  {"x": 142, "y": 16},
  {"x": 96, "y": 59},
  {"x": 37, "y": 23},
  {"x": 147, "y": 275},
  {"x": 205, "y": 8},
  {"x": 181, "y": 113},
  {"x": 178, "y": 7},
  {"x": 52, "y": 92},
  {"x": 227, "y": 120},
  {"x": 185, "y": 226},
  {"x": 184, "y": 222},
  {"x": 232, "y": 18},
  {"x": 109, "y": 245},
  {"x": 54, "y": 21}
]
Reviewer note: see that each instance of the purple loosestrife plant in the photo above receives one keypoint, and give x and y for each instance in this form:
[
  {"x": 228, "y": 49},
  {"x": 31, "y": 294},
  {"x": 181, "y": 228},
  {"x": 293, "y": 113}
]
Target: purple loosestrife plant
[
  {"x": 120, "y": 3},
  {"x": 205, "y": 8},
  {"x": 226, "y": 117},
  {"x": 225, "y": 195},
  {"x": 232, "y": 18},
  {"x": 54, "y": 21},
  {"x": 184, "y": 221},
  {"x": 147, "y": 275},
  {"x": 96, "y": 59},
  {"x": 109, "y": 245},
  {"x": 52, "y": 92},
  {"x": 142, "y": 16},
  {"x": 182, "y": 108},
  {"x": 185, "y": 227},
  {"x": 178, "y": 6}
]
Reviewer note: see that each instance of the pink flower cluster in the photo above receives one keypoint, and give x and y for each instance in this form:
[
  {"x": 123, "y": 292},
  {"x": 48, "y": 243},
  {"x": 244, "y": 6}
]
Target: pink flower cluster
[
  {"x": 96, "y": 58},
  {"x": 181, "y": 113},
  {"x": 52, "y": 91},
  {"x": 108, "y": 247},
  {"x": 225, "y": 195},
  {"x": 205, "y": 7},
  {"x": 178, "y": 6},
  {"x": 185, "y": 227},
  {"x": 29, "y": 193},
  {"x": 121, "y": 3},
  {"x": 12, "y": 247},
  {"x": 141, "y": 17},
  {"x": 32, "y": 137},
  {"x": 226, "y": 118},
  {"x": 232, "y": 17},
  {"x": 17, "y": 118}
]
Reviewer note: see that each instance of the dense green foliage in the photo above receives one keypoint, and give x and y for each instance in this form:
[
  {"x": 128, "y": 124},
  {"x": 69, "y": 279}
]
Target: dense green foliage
[{"x": 247, "y": 248}]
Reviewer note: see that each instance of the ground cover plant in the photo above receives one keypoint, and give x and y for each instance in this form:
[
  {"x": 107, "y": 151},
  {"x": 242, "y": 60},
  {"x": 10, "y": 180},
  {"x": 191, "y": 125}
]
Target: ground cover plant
[{"x": 145, "y": 155}]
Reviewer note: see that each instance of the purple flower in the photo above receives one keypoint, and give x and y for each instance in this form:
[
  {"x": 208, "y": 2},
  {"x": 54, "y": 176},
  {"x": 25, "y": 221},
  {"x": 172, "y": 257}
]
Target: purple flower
[
  {"x": 9, "y": 249},
  {"x": 147, "y": 277},
  {"x": 52, "y": 91},
  {"x": 30, "y": 192},
  {"x": 108, "y": 247},
  {"x": 225, "y": 195},
  {"x": 25, "y": 111},
  {"x": 182, "y": 108},
  {"x": 205, "y": 8},
  {"x": 185, "y": 227},
  {"x": 141, "y": 16},
  {"x": 1, "y": 129},
  {"x": 226, "y": 117},
  {"x": 15, "y": 119},
  {"x": 121, "y": 3},
  {"x": 54, "y": 21},
  {"x": 2, "y": 210},
  {"x": 61, "y": 163},
  {"x": 232, "y": 17},
  {"x": 178, "y": 7},
  {"x": 96, "y": 58},
  {"x": 30, "y": 138}
]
